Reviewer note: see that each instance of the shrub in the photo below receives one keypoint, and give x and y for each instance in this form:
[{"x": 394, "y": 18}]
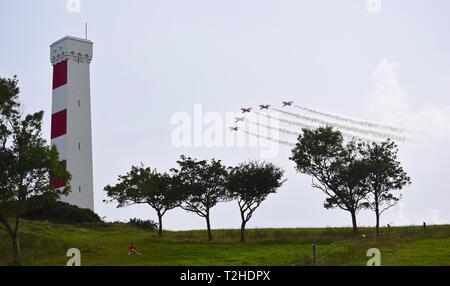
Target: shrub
[
  {"x": 145, "y": 224},
  {"x": 63, "y": 213}
]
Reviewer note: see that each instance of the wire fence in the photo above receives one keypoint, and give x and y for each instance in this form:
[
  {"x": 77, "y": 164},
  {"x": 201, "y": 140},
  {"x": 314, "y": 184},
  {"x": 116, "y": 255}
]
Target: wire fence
[{"x": 318, "y": 256}]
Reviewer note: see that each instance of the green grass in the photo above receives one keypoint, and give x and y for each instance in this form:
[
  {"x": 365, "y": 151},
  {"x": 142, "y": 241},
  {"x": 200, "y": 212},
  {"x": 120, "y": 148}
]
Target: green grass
[{"x": 43, "y": 243}]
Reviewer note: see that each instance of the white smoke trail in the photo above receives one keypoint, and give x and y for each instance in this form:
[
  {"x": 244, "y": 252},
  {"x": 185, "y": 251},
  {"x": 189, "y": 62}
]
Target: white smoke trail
[
  {"x": 352, "y": 120},
  {"x": 287, "y": 143},
  {"x": 290, "y": 122},
  {"x": 378, "y": 134},
  {"x": 346, "y": 135},
  {"x": 286, "y": 131}
]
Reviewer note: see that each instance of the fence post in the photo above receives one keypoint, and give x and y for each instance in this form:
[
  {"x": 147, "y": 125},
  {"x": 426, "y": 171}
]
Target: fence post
[{"x": 314, "y": 255}]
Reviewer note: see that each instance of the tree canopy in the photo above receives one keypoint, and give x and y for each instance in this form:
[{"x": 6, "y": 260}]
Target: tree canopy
[
  {"x": 337, "y": 168},
  {"x": 250, "y": 183},
  {"x": 384, "y": 175},
  {"x": 203, "y": 185},
  {"x": 27, "y": 162},
  {"x": 143, "y": 185}
]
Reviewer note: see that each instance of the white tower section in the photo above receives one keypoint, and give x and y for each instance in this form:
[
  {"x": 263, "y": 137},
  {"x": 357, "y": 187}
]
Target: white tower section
[{"x": 71, "y": 117}]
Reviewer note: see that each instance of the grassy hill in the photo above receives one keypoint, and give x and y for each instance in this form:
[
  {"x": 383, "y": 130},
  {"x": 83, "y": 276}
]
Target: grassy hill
[{"x": 45, "y": 243}]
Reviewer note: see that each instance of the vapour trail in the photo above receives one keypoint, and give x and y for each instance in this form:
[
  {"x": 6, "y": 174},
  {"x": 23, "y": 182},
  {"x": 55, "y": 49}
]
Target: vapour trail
[
  {"x": 290, "y": 122},
  {"x": 352, "y": 120},
  {"x": 369, "y": 132},
  {"x": 286, "y": 131},
  {"x": 287, "y": 143},
  {"x": 346, "y": 135}
]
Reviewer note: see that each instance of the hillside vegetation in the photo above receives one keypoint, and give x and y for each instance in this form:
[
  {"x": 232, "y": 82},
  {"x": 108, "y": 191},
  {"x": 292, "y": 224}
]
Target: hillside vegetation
[{"x": 44, "y": 243}]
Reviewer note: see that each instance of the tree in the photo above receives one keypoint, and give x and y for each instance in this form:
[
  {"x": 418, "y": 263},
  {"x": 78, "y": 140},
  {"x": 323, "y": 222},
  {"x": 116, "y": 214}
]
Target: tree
[
  {"x": 203, "y": 185},
  {"x": 143, "y": 185},
  {"x": 26, "y": 163},
  {"x": 250, "y": 183},
  {"x": 336, "y": 168},
  {"x": 385, "y": 174}
]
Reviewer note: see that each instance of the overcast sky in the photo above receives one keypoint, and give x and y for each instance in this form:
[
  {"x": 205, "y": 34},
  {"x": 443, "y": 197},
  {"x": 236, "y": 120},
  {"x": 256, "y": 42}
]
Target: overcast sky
[{"x": 154, "y": 60}]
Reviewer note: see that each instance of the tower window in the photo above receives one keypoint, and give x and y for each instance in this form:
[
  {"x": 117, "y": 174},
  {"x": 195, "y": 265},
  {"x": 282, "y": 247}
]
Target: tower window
[
  {"x": 79, "y": 145},
  {"x": 78, "y": 103},
  {"x": 79, "y": 189}
]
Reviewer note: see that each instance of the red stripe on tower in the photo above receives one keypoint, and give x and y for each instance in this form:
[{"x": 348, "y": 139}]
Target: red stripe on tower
[
  {"x": 59, "y": 123},
  {"x": 56, "y": 182},
  {"x": 60, "y": 74}
]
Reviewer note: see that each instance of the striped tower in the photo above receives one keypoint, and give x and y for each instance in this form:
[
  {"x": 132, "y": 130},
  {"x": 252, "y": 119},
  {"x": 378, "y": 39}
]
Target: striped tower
[{"x": 71, "y": 117}]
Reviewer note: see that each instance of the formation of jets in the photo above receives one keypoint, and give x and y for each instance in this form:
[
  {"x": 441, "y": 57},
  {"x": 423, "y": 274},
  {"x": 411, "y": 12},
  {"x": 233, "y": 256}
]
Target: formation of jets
[{"x": 249, "y": 109}]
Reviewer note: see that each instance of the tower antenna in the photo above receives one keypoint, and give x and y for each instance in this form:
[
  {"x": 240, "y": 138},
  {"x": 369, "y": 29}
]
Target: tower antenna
[{"x": 86, "y": 30}]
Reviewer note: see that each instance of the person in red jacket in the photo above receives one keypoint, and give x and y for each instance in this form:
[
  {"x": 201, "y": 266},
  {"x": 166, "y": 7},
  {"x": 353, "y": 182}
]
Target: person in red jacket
[{"x": 132, "y": 250}]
